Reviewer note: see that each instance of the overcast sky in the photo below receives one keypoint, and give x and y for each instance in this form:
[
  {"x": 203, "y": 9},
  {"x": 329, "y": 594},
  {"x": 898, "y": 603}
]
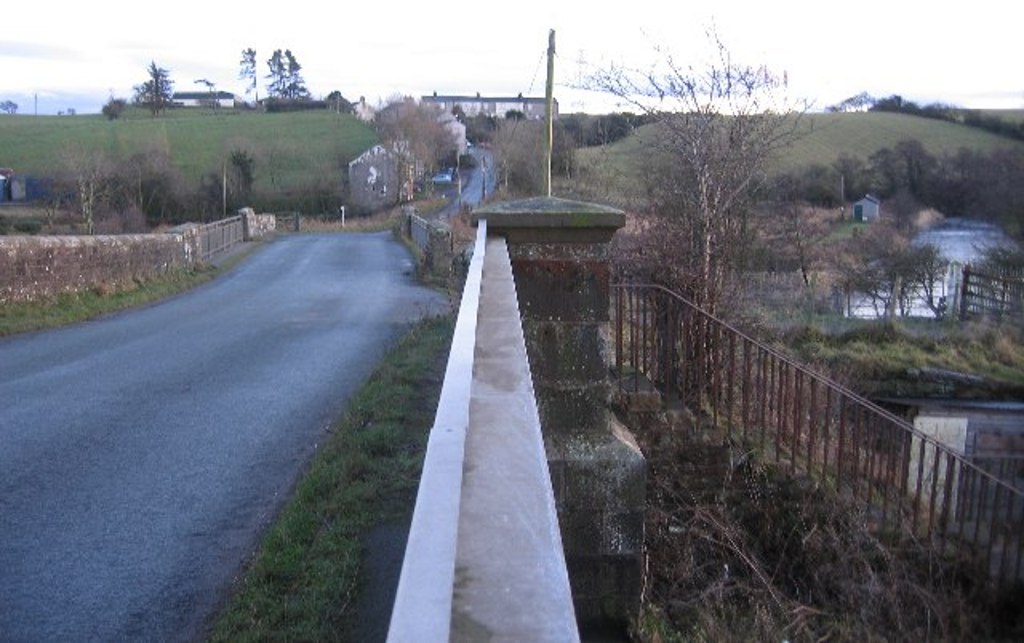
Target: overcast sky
[{"x": 56, "y": 54}]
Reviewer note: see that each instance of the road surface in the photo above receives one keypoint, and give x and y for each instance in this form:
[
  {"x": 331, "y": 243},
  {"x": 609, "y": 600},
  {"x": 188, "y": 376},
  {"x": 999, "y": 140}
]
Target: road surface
[
  {"x": 141, "y": 455},
  {"x": 477, "y": 183}
]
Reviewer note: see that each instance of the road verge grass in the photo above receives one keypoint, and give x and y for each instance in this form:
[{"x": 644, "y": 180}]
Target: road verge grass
[
  {"x": 71, "y": 308},
  {"x": 305, "y": 580}
]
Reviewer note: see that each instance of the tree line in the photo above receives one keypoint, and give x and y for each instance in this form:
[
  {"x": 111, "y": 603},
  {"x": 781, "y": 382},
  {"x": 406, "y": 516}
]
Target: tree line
[
  {"x": 896, "y": 103},
  {"x": 286, "y": 87},
  {"x": 117, "y": 193},
  {"x": 969, "y": 183}
]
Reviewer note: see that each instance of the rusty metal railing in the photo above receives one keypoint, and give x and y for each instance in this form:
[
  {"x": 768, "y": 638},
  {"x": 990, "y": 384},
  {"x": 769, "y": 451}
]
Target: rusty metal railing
[{"x": 800, "y": 420}]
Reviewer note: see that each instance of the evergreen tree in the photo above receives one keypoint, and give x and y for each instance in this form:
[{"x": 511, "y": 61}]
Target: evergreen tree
[
  {"x": 155, "y": 94},
  {"x": 285, "y": 77}
]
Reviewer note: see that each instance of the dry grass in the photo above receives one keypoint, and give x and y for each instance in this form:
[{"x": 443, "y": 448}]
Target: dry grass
[
  {"x": 373, "y": 223},
  {"x": 743, "y": 552}
]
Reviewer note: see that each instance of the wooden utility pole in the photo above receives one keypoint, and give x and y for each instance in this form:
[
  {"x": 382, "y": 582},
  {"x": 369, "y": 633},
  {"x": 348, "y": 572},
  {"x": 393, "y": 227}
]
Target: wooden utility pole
[
  {"x": 549, "y": 115},
  {"x": 224, "y": 189}
]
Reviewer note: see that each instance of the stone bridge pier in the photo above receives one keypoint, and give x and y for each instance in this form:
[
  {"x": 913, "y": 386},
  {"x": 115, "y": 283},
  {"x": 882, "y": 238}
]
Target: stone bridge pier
[{"x": 560, "y": 253}]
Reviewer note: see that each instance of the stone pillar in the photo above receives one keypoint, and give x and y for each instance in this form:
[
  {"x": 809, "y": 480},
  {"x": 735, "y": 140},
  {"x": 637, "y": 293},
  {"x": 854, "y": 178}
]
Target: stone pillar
[
  {"x": 560, "y": 260},
  {"x": 248, "y": 216}
]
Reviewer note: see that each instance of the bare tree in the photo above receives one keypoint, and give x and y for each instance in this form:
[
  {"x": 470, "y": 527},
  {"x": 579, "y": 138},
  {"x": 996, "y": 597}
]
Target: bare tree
[
  {"x": 247, "y": 71},
  {"x": 91, "y": 177},
  {"x": 415, "y": 132},
  {"x": 925, "y": 269},
  {"x": 519, "y": 154},
  {"x": 211, "y": 88},
  {"x": 155, "y": 184},
  {"x": 716, "y": 129}
]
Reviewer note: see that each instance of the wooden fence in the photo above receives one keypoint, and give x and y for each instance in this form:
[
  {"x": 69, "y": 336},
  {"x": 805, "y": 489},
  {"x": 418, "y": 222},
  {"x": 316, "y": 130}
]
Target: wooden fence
[{"x": 989, "y": 296}]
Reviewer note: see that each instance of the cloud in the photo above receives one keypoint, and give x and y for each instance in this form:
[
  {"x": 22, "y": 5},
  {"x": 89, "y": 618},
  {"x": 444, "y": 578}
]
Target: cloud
[{"x": 12, "y": 51}]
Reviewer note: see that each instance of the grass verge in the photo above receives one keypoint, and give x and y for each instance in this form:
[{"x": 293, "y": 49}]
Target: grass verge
[
  {"x": 304, "y": 582},
  {"x": 877, "y": 357},
  {"x": 70, "y": 308}
]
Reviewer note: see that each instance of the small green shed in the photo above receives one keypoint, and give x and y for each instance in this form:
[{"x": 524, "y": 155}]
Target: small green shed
[{"x": 867, "y": 209}]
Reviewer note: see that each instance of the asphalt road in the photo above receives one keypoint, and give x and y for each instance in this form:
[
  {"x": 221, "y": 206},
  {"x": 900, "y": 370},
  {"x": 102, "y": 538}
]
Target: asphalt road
[
  {"x": 477, "y": 183},
  {"x": 141, "y": 455}
]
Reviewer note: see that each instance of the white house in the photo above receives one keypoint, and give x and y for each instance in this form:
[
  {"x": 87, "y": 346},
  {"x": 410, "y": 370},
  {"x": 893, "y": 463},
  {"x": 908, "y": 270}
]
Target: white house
[
  {"x": 363, "y": 110},
  {"x": 203, "y": 99},
  {"x": 867, "y": 209},
  {"x": 456, "y": 129}
]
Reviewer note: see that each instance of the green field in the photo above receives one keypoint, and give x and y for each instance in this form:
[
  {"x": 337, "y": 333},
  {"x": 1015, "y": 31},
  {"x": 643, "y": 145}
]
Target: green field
[
  {"x": 291, "y": 150},
  {"x": 823, "y": 138},
  {"x": 1011, "y": 115}
]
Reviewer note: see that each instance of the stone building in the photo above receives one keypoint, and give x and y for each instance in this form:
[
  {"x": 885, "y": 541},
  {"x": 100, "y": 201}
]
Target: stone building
[{"x": 379, "y": 178}]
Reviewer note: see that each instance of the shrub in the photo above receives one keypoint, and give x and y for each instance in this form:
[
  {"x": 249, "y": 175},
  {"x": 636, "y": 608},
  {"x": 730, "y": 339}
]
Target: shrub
[{"x": 28, "y": 226}]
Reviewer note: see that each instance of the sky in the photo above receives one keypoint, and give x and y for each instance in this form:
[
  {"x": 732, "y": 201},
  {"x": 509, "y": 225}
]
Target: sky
[{"x": 61, "y": 54}]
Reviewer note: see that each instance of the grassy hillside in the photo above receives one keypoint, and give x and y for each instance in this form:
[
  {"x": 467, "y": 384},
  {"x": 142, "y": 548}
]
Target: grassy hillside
[
  {"x": 1011, "y": 115},
  {"x": 289, "y": 148},
  {"x": 822, "y": 138}
]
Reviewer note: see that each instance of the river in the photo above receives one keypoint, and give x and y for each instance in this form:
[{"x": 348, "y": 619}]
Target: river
[
  {"x": 964, "y": 241},
  {"x": 961, "y": 241}
]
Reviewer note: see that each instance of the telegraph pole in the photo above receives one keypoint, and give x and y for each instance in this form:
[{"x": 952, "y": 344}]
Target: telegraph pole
[
  {"x": 549, "y": 116},
  {"x": 224, "y": 188}
]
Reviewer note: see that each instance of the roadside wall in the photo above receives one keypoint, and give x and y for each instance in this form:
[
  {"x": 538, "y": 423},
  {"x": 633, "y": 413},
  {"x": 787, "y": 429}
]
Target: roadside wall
[
  {"x": 34, "y": 268},
  {"x": 257, "y": 226},
  {"x": 38, "y": 267},
  {"x": 434, "y": 241}
]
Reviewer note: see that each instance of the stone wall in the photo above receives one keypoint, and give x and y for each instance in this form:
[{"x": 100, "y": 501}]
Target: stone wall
[
  {"x": 34, "y": 268},
  {"x": 433, "y": 240},
  {"x": 257, "y": 226}
]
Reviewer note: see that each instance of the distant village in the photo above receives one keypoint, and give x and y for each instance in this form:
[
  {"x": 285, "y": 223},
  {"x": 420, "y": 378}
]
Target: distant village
[{"x": 380, "y": 177}]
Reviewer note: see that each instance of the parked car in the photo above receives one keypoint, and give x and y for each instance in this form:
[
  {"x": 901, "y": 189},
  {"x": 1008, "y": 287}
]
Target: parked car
[{"x": 444, "y": 177}]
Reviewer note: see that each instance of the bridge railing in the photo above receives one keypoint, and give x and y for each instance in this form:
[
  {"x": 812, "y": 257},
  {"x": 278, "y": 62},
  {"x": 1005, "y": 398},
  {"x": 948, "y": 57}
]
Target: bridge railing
[
  {"x": 484, "y": 557},
  {"x": 219, "y": 236},
  {"x": 805, "y": 422}
]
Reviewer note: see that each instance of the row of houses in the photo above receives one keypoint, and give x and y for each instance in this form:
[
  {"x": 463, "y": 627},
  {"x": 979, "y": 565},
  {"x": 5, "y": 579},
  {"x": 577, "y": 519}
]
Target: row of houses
[
  {"x": 534, "y": 108},
  {"x": 497, "y": 106},
  {"x": 384, "y": 176}
]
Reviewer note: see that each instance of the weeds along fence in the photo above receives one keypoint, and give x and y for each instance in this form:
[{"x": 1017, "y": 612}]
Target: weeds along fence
[
  {"x": 423, "y": 232},
  {"x": 435, "y": 242},
  {"x": 904, "y": 479},
  {"x": 991, "y": 296},
  {"x": 219, "y": 236},
  {"x": 288, "y": 221}
]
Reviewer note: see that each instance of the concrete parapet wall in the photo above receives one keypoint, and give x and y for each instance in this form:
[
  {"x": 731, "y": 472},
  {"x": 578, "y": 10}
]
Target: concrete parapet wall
[
  {"x": 512, "y": 579},
  {"x": 35, "y": 268},
  {"x": 484, "y": 559},
  {"x": 559, "y": 253}
]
